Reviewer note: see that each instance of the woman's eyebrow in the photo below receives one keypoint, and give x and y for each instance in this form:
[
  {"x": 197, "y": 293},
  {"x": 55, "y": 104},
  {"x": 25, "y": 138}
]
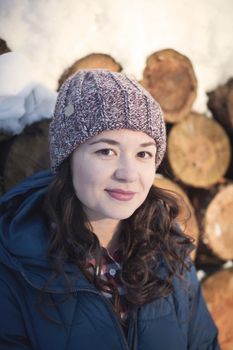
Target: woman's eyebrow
[
  {"x": 109, "y": 141},
  {"x": 146, "y": 144},
  {"x": 113, "y": 142}
]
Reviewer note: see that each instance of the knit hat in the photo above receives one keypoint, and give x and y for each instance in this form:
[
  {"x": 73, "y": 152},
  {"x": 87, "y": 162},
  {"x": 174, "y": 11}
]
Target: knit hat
[{"x": 92, "y": 101}]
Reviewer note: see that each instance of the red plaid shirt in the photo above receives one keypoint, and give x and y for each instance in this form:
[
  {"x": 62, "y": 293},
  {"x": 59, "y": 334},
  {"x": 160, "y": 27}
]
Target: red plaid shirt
[{"x": 110, "y": 271}]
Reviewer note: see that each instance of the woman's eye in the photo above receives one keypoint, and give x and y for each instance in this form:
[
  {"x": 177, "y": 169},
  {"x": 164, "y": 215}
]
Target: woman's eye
[
  {"x": 145, "y": 154},
  {"x": 105, "y": 152}
]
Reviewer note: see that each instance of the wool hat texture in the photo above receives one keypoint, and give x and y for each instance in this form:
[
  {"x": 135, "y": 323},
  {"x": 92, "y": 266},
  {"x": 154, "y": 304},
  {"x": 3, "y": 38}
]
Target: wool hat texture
[{"x": 96, "y": 100}]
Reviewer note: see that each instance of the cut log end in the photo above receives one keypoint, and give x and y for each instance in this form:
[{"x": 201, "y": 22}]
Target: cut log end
[
  {"x": 95, "y": 60},
  {"x": 170, "y": 78},
  {"x": 218, "y": 293},
  {"x": 219, "y": 223},
  {"x": 195, "y": 147}
]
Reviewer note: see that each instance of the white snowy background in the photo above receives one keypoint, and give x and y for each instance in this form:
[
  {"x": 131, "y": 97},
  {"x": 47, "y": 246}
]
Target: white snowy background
[{"x": 52, "y": 34}]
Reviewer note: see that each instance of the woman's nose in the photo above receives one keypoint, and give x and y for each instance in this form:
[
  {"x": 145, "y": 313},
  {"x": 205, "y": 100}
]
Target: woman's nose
[{"x": 126, "y": 171}]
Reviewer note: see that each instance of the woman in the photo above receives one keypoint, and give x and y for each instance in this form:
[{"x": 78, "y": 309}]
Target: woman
[{"x": 91, "y": 255}]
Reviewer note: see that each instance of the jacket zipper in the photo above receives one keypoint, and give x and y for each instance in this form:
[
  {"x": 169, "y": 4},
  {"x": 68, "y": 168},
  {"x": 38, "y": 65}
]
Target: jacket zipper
[
  {"x": 133, "y": 329},
  {"x": 107, "y": 303},
  {"x": 113, "y": 316}
]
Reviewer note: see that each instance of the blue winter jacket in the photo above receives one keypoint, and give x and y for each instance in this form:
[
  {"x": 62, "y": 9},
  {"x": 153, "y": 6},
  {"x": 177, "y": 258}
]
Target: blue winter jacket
[{"x": 85, "y": 321}]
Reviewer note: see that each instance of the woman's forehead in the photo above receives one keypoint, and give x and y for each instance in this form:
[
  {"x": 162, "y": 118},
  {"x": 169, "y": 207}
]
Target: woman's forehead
[{"x": 122, "y": 135}]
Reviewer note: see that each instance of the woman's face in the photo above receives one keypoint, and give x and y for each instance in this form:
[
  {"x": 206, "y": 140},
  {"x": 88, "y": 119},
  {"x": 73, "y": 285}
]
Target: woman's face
[{"x": 113, "y": 172}]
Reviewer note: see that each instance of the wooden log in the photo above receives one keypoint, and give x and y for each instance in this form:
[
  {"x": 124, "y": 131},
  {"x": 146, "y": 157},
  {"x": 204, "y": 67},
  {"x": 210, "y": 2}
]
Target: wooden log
[
  {"x": 219, "y": 223},
  {"x": 5, "y": 145},
  {"x": 3, "y": 47},
  {"x": 198, "y": 151},
  {"x": 4, "y": 136},
  {"x": 200, "y": 199},
  {"x": 206, "y": 258},
  {"x": 218, "y": 293},
  {"x": 170, "y": 78},
  {"x": 28, "y": 154},
  {"x": 94, "y": 60},
  {"x": 220, "y": 103},
  {"x": 186, "y": 219}
]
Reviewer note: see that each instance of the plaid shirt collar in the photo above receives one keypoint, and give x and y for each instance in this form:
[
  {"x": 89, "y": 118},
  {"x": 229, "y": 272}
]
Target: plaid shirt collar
[{"x": 110, "y": 271}]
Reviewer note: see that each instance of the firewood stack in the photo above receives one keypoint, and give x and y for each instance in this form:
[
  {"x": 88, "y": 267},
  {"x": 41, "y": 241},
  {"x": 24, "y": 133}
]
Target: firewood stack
[
  {"x": 199, "y": 161},
  {"x": 198, "y": 166}
]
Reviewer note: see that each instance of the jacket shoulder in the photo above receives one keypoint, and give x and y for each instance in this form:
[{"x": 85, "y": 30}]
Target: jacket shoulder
[
  {"x": 12, "y": 327},
  {"x": 192, "y": 311}
]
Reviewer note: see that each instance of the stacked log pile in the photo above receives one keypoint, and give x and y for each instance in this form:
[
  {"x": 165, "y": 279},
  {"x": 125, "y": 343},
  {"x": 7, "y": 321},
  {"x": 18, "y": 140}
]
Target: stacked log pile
[
  {"x": 199, "y": 160},
  {"x": 198, "y": 166}
]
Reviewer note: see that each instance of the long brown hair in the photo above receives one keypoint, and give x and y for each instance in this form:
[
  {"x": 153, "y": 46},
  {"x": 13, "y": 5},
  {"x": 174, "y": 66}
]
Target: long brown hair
[{"x": 148, "y": 239}]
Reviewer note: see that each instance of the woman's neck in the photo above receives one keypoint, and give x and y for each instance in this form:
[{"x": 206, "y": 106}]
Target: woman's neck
[{"x": 107, "y": 232}]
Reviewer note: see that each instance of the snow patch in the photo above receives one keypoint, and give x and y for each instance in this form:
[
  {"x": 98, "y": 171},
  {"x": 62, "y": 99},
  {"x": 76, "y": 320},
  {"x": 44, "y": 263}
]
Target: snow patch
[{"x": 23, "y": 100}]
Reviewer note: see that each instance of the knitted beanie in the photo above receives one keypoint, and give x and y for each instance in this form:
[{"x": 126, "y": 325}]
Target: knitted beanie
[{"x": 92, "y": 101}]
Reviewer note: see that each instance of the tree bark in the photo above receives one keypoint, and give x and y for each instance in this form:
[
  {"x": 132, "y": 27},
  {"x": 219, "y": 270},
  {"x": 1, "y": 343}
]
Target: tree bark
[
  {"x": 3, "y": 47},
  {"x": 220, "y": 103}
]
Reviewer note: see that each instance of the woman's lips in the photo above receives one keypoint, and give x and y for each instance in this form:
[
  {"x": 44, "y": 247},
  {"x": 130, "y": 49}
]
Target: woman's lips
[{"x": 121, "y": 195}]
